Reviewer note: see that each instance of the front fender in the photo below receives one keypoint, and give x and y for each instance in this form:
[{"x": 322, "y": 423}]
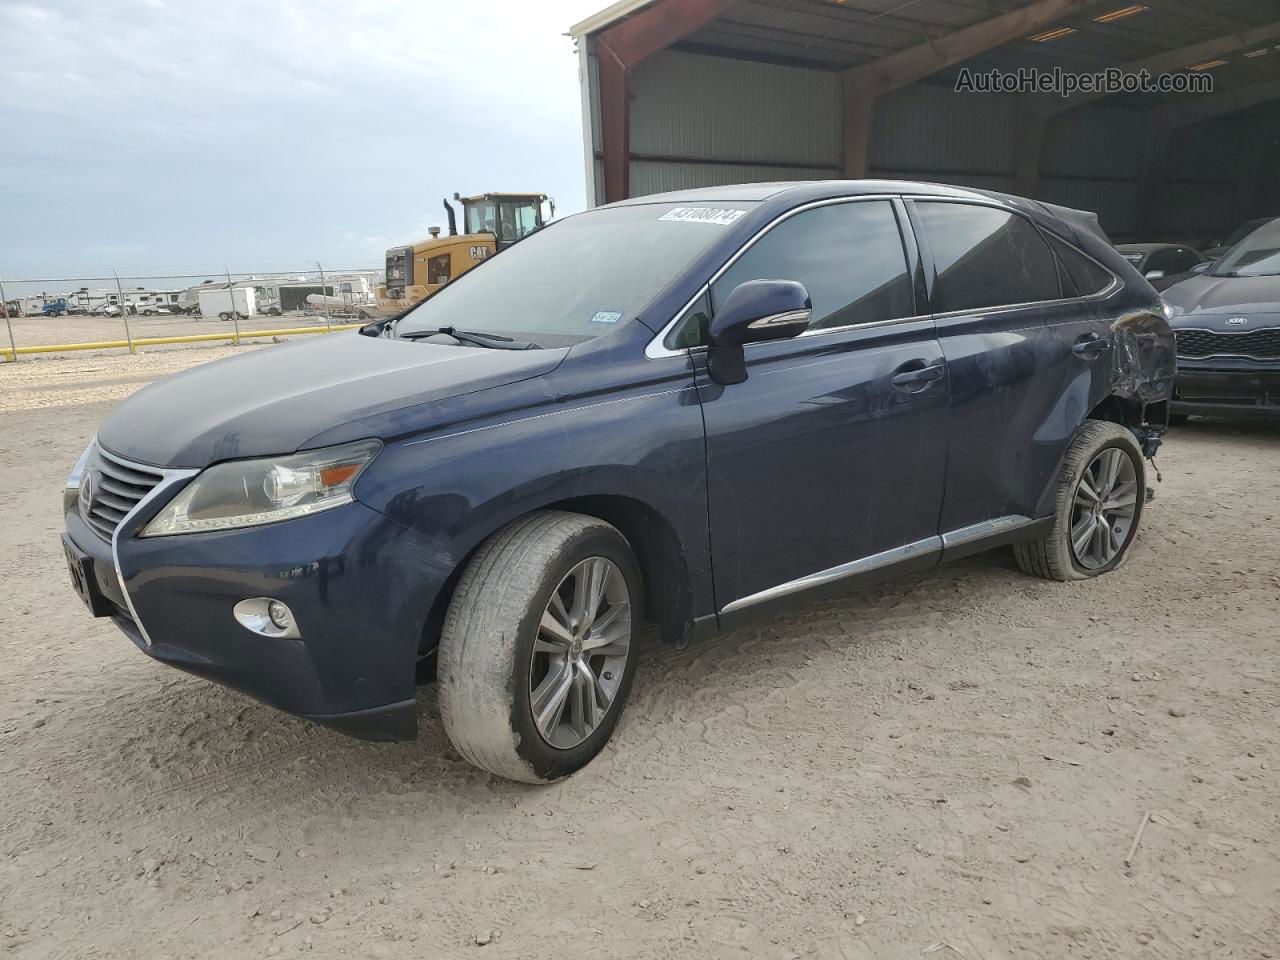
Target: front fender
[{"x": 459, "y": 484}]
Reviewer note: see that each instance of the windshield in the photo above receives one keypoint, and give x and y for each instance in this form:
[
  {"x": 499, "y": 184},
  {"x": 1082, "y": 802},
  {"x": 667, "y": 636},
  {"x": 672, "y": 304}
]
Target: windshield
[
  {"x": 1257, "y": 255},
  {"x": 579, "y": 277},
  {"x": 1242, "y": 231}
]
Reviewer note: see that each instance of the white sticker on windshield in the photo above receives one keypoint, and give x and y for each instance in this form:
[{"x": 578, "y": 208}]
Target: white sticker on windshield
[
  {"x": 721, "y": 218},
  {"x": 606, "y": 316}
]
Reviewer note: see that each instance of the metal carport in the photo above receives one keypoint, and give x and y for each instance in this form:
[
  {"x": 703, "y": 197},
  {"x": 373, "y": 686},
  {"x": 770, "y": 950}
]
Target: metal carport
[{"x": 682, "y": 93}]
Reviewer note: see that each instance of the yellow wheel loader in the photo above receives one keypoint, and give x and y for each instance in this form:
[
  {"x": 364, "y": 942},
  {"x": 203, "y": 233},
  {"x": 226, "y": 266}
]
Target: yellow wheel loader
[{"x": 490, "y": 222}]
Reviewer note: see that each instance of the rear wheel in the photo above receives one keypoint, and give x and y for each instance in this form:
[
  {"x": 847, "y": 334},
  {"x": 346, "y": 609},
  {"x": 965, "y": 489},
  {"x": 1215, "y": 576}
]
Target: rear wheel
[
  {"x": 1100, "y": 497},
  {"x": 536, "y": 656}
]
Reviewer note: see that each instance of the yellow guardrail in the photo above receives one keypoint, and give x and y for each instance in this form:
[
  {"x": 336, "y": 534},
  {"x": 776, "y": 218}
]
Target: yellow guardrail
[{"x": 234, "y": 337}]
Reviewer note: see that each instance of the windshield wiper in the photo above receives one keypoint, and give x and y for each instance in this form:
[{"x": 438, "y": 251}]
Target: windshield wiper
[{"x": 476, "y": 338}]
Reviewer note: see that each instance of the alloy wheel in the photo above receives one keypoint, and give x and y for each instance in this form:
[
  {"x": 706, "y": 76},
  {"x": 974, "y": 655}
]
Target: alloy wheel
[
  {"x": 1106, "y": 500},
  {"x": 580, "y": 652}
]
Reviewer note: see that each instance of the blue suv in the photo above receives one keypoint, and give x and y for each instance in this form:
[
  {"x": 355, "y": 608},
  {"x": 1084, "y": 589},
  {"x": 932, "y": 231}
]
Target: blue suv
[{"x": 686, "y": 409}]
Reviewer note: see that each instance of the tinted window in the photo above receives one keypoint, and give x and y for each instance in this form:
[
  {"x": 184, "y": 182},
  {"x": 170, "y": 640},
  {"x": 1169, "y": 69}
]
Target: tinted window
[
  {"x": 1086, "y": 276},
  {"x": 1175, "y": 260},
  {"x": 986, "y": 257},
  {"x": 1185, "y": 259},
  {"x": 849, "y": 256}
]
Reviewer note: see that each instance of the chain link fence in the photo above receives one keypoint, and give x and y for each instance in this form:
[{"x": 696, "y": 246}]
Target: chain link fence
[{"x": 127, "y": 312}]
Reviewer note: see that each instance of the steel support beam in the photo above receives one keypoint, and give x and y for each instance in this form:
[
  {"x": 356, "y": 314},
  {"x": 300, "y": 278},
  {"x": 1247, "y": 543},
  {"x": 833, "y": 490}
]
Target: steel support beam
[
  {"x": 864, "y": 83},
  {"x": 618, "y": 51}
]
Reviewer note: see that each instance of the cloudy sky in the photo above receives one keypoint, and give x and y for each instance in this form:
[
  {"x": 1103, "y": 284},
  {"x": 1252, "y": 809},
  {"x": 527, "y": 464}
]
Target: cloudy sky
[{"x": 180, "y": 135}]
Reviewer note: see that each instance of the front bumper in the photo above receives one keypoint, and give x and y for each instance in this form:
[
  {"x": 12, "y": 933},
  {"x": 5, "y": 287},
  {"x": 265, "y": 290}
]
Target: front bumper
[
  {"x": 1227, "y": 387},
  {"x": 359, "y": 585}
]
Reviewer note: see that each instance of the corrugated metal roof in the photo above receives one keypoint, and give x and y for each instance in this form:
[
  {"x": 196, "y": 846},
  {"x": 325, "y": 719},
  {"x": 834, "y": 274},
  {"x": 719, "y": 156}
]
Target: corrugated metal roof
[{"x": 839, "y": 34}]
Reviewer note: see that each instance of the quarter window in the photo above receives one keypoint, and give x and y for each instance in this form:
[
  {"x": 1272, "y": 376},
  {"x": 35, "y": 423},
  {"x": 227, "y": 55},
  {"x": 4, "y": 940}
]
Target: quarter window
[
  {"x": 1086, "y": 276},
  {"x": 849, "y": 257},
  {"x": 985, "y": 257}
]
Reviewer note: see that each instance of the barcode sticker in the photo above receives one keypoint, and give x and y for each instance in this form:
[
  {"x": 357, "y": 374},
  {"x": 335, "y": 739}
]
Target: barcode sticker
[{"x": 721, "y": 218}]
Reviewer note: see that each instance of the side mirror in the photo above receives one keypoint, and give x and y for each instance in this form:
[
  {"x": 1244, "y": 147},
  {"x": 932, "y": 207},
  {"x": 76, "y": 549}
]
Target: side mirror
[
  {"x": 1202, "y": 267},
  {"x": 1154, "y": 274},
  {"x": 754, "y": 312}
]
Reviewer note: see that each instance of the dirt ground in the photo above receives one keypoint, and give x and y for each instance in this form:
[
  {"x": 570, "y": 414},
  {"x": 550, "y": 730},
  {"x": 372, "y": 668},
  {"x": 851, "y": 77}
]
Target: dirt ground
[{"x": 951, "y": 767}]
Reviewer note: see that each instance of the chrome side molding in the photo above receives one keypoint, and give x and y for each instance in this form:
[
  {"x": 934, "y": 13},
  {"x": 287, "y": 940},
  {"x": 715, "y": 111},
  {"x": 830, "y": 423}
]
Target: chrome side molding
[
  {"x": 987, "y": 528},
  {"x": 898, "y": 554},
  {"x": 978, "y": 531}
]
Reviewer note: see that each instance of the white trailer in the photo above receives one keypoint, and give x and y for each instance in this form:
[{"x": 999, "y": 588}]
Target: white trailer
[{"x": 223, "y": 303}]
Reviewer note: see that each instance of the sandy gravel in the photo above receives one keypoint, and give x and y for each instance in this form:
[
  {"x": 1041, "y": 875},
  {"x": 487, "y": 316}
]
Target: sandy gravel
[{"x": 952, "y": 767}]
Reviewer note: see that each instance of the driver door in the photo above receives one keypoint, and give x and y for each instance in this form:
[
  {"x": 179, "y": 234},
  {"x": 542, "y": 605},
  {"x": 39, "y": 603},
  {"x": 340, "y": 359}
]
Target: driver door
[{"x": 828, "y": 461}]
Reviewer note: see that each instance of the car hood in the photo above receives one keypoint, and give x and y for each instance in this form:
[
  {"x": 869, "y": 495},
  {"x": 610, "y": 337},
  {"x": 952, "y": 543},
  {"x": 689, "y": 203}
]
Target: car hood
[
  {"x": 274, "y": 400},
  {"x": 1235, "y": 296}
]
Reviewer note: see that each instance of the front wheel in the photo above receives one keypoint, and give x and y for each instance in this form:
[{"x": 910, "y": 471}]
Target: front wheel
[
  {"x": 1101, "y": 492},
  {"x": 536, "y": 656}
]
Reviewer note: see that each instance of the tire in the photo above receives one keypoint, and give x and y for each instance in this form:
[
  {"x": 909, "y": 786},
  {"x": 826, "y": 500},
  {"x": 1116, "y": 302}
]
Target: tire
[
  {"x": 224, "y": 316},
  {"x": 488, "y": 665},
  {"x": 1055, "y": 557}
]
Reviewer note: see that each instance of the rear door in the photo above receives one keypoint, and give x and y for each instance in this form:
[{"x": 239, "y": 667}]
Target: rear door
[
  {"x": 995, "y": 288},
  {"x": 828, "y": 461}
]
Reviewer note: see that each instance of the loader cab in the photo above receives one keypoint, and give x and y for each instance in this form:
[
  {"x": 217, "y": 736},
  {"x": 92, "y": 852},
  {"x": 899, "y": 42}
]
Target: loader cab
[{"x": 508, "y": 216}]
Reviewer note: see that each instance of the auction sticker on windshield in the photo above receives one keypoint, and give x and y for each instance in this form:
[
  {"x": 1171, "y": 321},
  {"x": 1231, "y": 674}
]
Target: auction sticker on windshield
[{"x": 720, "y": 218}]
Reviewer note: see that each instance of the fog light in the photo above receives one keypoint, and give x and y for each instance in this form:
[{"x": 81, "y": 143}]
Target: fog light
[
  {"x": 280, "y": 615},
  {"x": 267, "y": 618}
]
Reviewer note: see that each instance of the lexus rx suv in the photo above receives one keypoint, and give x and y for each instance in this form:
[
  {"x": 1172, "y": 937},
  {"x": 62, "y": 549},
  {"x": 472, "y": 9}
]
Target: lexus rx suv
[{"x": 689, "y": 409}]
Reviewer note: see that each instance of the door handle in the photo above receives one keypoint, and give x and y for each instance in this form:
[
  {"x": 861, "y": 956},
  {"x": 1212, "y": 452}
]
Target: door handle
[
  {"x": 910, "y": 375},
  {"x": 1091, "y": 346}
]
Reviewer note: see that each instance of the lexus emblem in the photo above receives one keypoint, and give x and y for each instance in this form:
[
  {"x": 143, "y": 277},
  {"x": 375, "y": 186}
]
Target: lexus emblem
[
  {"x": 1237, "y": 321},
  {"x": 85, "y": 494}
]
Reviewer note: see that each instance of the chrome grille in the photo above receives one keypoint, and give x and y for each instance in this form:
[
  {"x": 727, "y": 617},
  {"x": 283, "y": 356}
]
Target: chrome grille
[
  {"x": 1261, "y": 344},
  {"x": 117, "y": 487}
]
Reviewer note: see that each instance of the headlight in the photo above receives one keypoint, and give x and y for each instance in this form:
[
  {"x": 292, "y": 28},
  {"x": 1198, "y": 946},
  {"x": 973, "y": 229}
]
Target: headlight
[{"x": 247, "y": 493}]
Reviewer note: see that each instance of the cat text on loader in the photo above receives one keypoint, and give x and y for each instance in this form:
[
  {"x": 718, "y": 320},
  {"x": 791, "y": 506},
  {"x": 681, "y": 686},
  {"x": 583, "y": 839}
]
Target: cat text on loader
[{"x": 490, "y": 222}]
